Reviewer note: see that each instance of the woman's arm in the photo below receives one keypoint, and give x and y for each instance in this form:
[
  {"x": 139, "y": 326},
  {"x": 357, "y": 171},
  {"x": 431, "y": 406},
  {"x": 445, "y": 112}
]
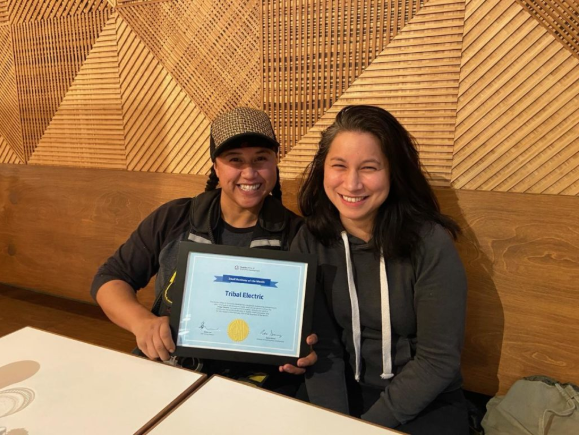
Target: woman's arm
[
  {"x": 440, "y": 303},
  {"x": 153, "y": 335},
  {"x": 130, "y": 269}
]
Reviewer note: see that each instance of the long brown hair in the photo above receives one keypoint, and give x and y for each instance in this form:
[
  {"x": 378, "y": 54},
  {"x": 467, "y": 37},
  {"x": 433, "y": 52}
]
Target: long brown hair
[{"x": 411, "y": 202}]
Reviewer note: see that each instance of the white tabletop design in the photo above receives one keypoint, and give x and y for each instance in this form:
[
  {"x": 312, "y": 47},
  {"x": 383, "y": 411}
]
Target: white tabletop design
[
  {"x": 50, "y": 384},
  {"x": 221, "y": 406}
]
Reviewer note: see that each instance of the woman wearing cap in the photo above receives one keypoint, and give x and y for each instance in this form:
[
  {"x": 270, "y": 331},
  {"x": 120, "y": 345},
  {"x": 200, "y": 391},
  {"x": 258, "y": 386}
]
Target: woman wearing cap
[
  {"x": 242, "y": 212},
  {"x": 391, "y": 296}
]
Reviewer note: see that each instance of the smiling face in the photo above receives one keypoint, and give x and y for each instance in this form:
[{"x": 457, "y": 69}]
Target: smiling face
[
  {"x": 247, "y": 175},
  {"x": 356, "y": 180}
]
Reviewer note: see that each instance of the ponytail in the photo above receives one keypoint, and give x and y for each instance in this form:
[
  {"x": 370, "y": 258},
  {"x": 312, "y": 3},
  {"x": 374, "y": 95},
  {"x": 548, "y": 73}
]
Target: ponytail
[{"x": 212, "y": 181}]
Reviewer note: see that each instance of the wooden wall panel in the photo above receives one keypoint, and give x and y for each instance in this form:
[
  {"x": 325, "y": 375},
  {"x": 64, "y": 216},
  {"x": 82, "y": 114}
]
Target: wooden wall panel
[
  {"x": 134, "y": 2},
  {"x": 416, "y": 78},
  {"x": 87, "y": 129},
  {"x": 559, "y": 17},
  {"x": 37, "y": 10},
  {"x": 521, "y": 253},
  {"x": 46, "y": 66},
  {"x": 10, "y": 122},
  {"x": 313, "y": 51},
  {"x": 57, "y": 225},
  {"x": 7, "y": 155},
  {"x": 517, "y": 122},
  {"x": 165, "y": 130},
  {"x": 4, "y": 17},
  {"x": 514, "y": 129},
  {"x": 211, "y": 48}
]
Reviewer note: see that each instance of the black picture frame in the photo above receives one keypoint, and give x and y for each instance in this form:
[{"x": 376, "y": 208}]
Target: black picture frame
[{"x": 179, "y": 293}]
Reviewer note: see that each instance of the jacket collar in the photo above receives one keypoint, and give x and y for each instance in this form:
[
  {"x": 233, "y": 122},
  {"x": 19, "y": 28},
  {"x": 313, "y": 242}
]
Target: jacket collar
[{"x": 206, "y": 214}]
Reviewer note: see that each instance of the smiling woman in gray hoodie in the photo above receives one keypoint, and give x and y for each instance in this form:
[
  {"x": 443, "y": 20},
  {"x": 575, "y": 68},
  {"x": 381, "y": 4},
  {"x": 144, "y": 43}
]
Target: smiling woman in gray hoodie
[{"x": 391, "y": 293}]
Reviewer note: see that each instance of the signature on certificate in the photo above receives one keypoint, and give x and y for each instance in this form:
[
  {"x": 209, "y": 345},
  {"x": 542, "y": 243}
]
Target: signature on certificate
[
  {"x": 204, "y": 327},
  {"x": 269, "y": 334}
]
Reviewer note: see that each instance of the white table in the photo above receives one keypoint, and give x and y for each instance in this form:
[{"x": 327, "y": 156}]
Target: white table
[
  {"x": 221, "y": 406},
  {"x": 51, "y": 384}
]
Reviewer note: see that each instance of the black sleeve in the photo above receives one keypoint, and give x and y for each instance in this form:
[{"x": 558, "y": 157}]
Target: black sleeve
[{"x": 137, "y": 260}]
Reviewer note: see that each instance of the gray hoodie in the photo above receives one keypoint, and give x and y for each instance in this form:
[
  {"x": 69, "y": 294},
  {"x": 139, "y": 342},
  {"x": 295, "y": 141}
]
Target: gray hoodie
[{"x": 427, "y": 299}]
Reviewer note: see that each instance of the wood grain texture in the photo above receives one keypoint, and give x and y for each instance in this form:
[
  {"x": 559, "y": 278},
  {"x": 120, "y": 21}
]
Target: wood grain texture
[
  {"x": 415, "y": 78},
  {"x": 10, "y": 122},
  {"x": 7, "y": 154},
  {"x": 79, "y": 320},
  {"x": 521, "y": 254},
  {"x": 37, "y": 10},
  {"x": 4, "y": 16},
  {"x": 44, "y": 77},
  {"x": 58, "y": 225},
  {"x": 211, "y": 48},
  {"x": 314, "y": 50},
  {"x": 517, "y": 124},
  {"x": 87, "y": 128},
  {"x": 559, "y": 17},
  {"x": 165, "y": 130}
]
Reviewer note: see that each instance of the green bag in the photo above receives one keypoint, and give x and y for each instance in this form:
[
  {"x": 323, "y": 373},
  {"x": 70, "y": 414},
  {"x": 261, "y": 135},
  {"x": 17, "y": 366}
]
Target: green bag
[{"x": 536, "y": 405}]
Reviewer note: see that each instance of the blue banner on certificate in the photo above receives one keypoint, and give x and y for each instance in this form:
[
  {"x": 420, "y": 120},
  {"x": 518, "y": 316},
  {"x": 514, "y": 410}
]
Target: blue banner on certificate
[{"x": 239, "y": 302}]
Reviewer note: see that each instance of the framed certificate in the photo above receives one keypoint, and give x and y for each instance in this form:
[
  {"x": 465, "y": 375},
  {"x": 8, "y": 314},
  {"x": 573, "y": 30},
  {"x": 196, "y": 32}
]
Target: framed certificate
[{"x": 241, "y": 304}]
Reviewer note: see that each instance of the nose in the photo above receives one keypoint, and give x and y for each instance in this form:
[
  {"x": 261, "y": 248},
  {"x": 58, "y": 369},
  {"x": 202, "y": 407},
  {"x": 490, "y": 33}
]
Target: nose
[
  {"x": 249, "y": 171},
  {"x": 352, "y": 181}
]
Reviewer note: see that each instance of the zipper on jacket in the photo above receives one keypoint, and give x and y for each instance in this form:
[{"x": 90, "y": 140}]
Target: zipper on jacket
[{"x": 166, "y": 291}]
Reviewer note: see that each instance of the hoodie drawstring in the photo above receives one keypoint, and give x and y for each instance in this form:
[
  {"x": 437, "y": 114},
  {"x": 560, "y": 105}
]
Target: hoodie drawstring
[{"x": 384, "y": 307}]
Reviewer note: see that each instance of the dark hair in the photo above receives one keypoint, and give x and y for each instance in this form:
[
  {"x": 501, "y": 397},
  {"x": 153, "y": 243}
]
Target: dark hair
[
  {"x": 410, "y": 204},
  {"x": 213, "y": 181}
]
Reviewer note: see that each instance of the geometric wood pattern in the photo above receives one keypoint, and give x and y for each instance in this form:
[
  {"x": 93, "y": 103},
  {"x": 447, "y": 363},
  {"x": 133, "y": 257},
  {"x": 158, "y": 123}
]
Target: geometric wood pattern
[
  {"x": 7, "y": 155},
  {"x": 36, "y": 10},
  {"x": 416, "y": 78},
  {"x": 560, "y": 17},
  {"x": 3, "y": 12},
  {"x": 46, "y": 66},
  {"x": 87, "y": 129},
  {"x": 313, "y": 52},
  {"x": 514, "y": 127},
  {"x": 10, "y": 123},
  {"x": 134, "y": 2},
  {"x": 518, "y": 115},
  {"x": 211, "y": 48},
  {"x": 165, "y": 130}
]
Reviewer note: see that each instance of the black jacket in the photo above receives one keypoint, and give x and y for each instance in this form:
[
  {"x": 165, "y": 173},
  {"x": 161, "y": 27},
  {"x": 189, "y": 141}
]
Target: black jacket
[{"x": 153, "y": 247}]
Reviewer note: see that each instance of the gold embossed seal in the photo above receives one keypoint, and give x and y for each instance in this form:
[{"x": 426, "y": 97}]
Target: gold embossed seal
[{"x": 238, "y": 330}]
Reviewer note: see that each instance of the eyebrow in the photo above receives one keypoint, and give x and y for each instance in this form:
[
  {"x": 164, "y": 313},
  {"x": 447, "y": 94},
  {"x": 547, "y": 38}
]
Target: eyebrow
[{"x": 340, "y": 159}]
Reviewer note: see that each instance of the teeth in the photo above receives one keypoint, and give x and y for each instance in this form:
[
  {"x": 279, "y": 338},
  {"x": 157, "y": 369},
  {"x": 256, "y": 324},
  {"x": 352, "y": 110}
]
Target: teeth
[
  {"x": 249, "y": 187},
  {"x": 353, "y": 198}
]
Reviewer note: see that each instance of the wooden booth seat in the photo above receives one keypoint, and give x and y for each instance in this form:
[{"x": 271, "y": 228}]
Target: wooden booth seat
[{"x": 521, "y": 253}]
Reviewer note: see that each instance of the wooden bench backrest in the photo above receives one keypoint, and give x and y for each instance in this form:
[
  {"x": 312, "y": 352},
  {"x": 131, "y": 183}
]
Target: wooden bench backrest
[{"x": 521, "y": 253}]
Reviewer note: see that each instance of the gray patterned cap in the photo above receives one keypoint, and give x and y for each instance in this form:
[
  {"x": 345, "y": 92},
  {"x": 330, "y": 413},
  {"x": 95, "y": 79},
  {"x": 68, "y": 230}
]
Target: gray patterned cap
[{"x": 239, "y": 126}]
